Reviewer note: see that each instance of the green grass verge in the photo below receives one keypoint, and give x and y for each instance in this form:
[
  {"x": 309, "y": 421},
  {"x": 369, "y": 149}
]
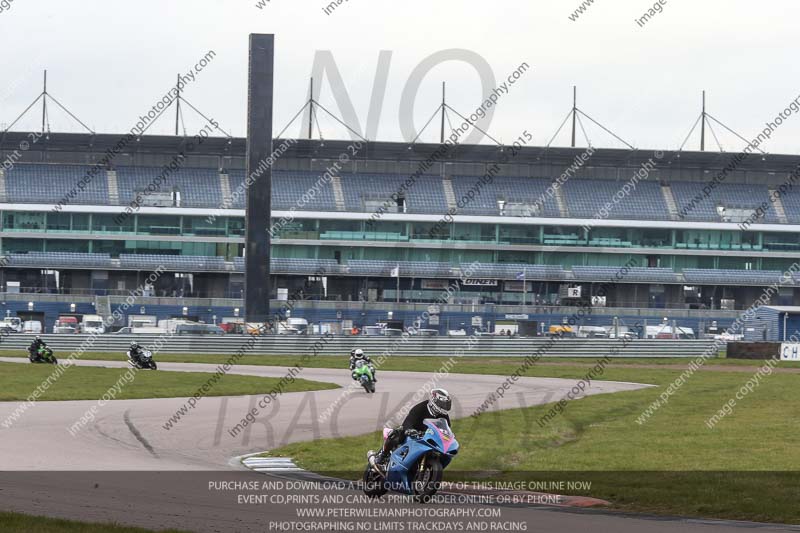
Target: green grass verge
[
  {"x": 672, "y": 464},
  {"x": 17, "y": 381},
  {"x": 467, "y": 364},
  {"x": 20, "y": 523}
]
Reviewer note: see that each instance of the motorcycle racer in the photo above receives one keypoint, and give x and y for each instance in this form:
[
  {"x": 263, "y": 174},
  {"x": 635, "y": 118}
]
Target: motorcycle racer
[{"x": 437, "y": 405}]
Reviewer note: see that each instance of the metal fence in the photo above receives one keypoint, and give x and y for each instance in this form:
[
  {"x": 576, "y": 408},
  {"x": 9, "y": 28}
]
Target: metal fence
[
  {"x": 341, "y": 346},
  {"x": 417, "y": 308}
]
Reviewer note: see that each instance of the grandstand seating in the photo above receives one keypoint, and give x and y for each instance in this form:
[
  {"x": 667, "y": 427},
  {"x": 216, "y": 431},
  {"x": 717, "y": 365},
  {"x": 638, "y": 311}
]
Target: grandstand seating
[
  {"x": 615, "y": 273},
  {"x": 202, "y": 188},
  {"x": 425, "y": 195},
  {"x": 198, "y": 187},
  {"x": 282, "y": 265},
  {"x": 53, "y": 259},
  {"x": 517, "y": 190},
  {"x": 691, "y": 202},
  {"x": 585, "y": 199},
  {"x": 375, "y": 268},
  {"x": 791, "y": 205},
  {"x": 513, "y": 271},
  {"x": 288, "y": 188},
  {"x": 183, "y": 263},
  {"x": 45, "y": 183},
  {"x": 744, "y": 277},
  {"x": 407, "y": 268}
]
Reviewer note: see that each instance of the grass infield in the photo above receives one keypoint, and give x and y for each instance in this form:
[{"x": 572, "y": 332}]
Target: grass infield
[
  {"x": 746, "y": 468},
  {"x": 17, "y": 381},
  {"x": 20, "y": 523}
]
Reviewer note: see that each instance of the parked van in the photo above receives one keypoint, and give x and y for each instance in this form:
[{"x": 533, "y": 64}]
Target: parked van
[
  {"x": 170, "y": 325},
  {"x": 195, "y": 328},
  {"x": 592, "y": 332},
  {"x": 11, "y": 324},
  {"x": 93, "y": 324},
  {"x": 32, "y": 326},
  {"x": 293, "y": 326},
  {"x": 665, "y": 332}
]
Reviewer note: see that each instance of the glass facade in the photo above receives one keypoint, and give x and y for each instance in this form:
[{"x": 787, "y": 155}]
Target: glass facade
[{"x": 402, "y": 241}]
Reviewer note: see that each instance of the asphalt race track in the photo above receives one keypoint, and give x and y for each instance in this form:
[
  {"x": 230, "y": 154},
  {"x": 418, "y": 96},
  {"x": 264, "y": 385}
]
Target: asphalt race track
[{"x": 127, "y": 468}]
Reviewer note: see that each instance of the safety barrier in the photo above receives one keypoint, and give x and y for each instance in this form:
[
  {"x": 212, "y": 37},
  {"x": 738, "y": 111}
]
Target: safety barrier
[{"x": 419, "y": 346}]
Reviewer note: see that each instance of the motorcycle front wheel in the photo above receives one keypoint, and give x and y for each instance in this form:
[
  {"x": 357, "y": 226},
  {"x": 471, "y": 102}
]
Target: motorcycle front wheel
[
  {"x": 153, "y": 365},
  {"x": 427, "y": 478},
  {"x": 374, "y": 486}
]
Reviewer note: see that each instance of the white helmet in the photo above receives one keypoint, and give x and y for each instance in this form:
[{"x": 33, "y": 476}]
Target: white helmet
[
  {"x": 440, "y": 402},
  {"x": 358, "y": 353}
]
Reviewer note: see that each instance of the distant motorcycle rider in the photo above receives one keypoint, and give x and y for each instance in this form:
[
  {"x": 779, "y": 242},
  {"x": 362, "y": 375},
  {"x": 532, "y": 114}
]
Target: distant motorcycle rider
[
  {"x": 135, "y": 352},
  {"x": 357, "y": 355},
  {"x": 437, "y": 405},
  {"x": 35, "y": 346}
]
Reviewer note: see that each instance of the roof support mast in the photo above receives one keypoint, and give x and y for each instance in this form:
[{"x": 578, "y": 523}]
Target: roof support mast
[
  {"x": 703, "y": 125},
  {"x": 311, "y": 109},
  {"x": 574, "y": 112},
  {"x": 44, "y": 100},
  {"x": 444, "y": 105},
  {"x": 177, "y": 104}
]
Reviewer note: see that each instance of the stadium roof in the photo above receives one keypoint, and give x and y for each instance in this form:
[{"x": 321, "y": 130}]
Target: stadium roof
[{"x": 97, "y": 144}]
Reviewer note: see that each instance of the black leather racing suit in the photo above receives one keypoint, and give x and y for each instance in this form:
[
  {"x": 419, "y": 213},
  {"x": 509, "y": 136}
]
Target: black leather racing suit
[{"x": 413, "y": 421}]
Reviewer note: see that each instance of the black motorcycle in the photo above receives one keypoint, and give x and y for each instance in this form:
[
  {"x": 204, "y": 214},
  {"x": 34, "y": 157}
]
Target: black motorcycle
[
  {"x": 43, "y": 355},
  {"x": 144, "y": 361}
]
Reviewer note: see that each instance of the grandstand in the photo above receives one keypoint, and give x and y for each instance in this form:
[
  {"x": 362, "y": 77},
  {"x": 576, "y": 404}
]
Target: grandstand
[{"x": 520, "y": 238}]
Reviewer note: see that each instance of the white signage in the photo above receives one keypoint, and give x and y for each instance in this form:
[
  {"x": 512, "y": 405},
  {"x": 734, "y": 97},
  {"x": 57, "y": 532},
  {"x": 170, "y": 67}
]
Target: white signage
[
  {"x": 574, "y": 292},
  {"x": 480, "y": 282},
  {"x": 790, "y": 351}
]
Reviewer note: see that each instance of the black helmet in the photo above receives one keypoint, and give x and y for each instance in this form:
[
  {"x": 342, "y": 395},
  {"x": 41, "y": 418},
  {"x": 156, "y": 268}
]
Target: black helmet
[{"x": 440, "y": 402}]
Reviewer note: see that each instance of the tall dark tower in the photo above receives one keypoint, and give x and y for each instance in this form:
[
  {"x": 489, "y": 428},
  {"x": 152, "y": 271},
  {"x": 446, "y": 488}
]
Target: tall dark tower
[{"x": 259, "y": 208}]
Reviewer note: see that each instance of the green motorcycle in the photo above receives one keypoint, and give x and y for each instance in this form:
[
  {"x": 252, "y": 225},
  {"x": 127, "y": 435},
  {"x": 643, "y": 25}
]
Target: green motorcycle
[
  {"x": 43, "y": 355},
  {"x": 363, "y": 374}
]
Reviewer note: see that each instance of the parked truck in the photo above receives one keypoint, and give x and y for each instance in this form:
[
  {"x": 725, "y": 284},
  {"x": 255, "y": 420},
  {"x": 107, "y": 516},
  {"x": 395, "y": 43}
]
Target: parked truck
[{"x": 66, "y": 324}]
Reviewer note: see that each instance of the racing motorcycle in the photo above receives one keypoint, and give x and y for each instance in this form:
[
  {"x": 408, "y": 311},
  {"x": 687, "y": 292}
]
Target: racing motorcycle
[
  {"x": 144, "y": 361},
  {"x": 416, "y": 466},
  {"x": 43, "y": 355},
  {"x": 363, "y": 374}
]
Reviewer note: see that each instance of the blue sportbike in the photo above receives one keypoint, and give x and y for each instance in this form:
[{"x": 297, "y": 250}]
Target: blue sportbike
[{"x": 415, "y": 467}]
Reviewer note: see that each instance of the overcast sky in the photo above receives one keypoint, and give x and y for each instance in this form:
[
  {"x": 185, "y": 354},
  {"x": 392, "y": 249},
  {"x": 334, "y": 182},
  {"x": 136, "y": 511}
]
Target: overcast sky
[{"x": 109, "y": 61}]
